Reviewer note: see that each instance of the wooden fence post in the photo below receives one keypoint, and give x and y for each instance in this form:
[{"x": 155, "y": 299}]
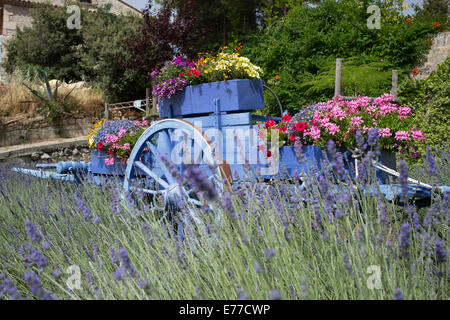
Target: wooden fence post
[
  {"x": 147, "y": 102},
  {"x": 394, "y": 83},
  {"x": 154, "y": 100},
  {"x": 106, "y": 111},
  {"x": 337, "y": 80}
]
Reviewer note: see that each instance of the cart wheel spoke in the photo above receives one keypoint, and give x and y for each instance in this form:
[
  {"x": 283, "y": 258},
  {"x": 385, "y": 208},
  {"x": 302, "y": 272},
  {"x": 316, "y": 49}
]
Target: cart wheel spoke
[
  {"x": 161, "y": 163},
  {"x": 150, "y": 173}
]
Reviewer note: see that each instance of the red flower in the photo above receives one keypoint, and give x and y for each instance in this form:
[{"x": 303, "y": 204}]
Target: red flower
[
  {"x": 269, "y": 154},
  {"x": 194, "y": 72},
  {"x": 286, "y": 118},
  {"x": 282, "y": 129},
  {"x": 437, "y": 24},
  {"x": 277, "y": 77},
  {"x": 100, "y": 146},
  {"x": 181, "y": 74},
  {"x": 301, "y": 126},
  {"x": 292, "y": 137},
  {"x": 408, "y": 20},
  {"x": 269, "y": 123},
  {"x": 415, "y": 71}
]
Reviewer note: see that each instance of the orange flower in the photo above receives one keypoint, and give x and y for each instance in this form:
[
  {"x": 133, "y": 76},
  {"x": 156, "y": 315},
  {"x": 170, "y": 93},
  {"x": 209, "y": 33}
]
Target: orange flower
[
  {"x": 437, "y": 24},
  {"x": 408, "y": 20},
  {"x": 277, "y": 77}
]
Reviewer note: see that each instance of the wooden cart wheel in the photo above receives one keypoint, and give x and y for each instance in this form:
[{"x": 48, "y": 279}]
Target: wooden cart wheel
[{"x": 178, "y": 143}]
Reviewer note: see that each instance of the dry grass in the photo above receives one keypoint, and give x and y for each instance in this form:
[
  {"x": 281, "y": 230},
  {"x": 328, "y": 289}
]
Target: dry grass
[{"x": 17, "y": 101}]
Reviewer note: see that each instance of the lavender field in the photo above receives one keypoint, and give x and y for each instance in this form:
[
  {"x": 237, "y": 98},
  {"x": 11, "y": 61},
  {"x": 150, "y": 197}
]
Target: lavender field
[{"x": 329, "y": 240}]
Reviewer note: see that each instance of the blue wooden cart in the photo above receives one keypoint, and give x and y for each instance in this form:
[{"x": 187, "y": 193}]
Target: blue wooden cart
[{"x": 210, "y": 125}]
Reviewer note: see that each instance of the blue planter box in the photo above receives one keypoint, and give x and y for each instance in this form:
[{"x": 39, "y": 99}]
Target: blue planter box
[
  {"x": 234, "y": 95},
  {"x": 98, "y": 165},
  {"x": 314, "y": 158}
]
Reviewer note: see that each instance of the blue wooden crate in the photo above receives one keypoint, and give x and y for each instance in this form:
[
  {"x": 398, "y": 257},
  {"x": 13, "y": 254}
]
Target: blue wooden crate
[
  {"x": 234, "y": 95},
  {"x": 98, "y": 165}
]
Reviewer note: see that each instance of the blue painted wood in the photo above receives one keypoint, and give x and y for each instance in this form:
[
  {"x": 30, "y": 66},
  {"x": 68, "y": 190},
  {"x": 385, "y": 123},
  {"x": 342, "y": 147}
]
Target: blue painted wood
[
  {"x": 234, "y": 95},
  {"x": 314, "y": 161},
  {"x": 98, "y": 165}
]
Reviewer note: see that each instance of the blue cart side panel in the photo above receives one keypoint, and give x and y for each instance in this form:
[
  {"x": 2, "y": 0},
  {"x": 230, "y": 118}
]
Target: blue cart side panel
[{"x": 235, "y": 95}]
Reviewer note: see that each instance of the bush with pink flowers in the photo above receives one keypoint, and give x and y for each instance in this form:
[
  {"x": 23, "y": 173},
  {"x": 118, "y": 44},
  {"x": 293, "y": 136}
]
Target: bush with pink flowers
[
  {"x": 339, "y": 120},
  {"x": 117, "y": 138}
]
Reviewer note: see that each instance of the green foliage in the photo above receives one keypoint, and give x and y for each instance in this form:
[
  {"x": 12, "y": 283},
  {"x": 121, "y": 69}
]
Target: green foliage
[
  {"x": 103, "y": 37},
  {"x": 54, "y": 104},
  {"x": 47, "y": 43},
  {"x": 302, "y": 50},
  {"x": 91, "y": 53},
  {"x": 430, "y": 101}
]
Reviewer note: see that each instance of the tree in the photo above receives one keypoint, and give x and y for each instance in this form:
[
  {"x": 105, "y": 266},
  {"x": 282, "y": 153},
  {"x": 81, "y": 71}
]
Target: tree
[
  {"x": 104, "y": 47},
  {"x": 47, "y": 43},
  {"x": 161, "y": 36}
]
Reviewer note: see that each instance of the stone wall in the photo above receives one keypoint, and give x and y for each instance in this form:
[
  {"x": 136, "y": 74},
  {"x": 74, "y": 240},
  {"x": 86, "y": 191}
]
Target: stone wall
[
  {"x": 16, "y": 132},
  {"x": 74, "y": 153},
  {"x": 13, "y": 16},
  {"x": 438, "y": 53}
]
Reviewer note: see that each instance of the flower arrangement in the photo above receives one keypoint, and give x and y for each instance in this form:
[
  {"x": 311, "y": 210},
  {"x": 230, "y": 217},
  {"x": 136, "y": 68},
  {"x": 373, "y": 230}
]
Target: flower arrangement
[
  {"x": 339, "y": 120},
  {"x": 116, "y": 138},
  {"x": 179, "y": 73}
]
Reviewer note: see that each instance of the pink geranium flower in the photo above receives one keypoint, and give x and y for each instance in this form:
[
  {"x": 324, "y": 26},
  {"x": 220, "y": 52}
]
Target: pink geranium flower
[
  {"x": 356, "y": 121},
  {"x": 109, "y": 161},
  {"x": 417, "y": 135},
  {"x": 385, "y": 133},
  {"x": 402, "y": 135}
]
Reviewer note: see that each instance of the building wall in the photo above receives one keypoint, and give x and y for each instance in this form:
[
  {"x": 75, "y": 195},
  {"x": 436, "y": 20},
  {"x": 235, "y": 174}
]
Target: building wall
[
  {"x": 118, "y": 7},
  {"x": 15, "y": 16}
]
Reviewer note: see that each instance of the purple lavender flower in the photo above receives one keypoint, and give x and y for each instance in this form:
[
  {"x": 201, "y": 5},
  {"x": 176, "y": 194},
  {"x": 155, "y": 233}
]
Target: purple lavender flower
[
  {"x": 415, "y": 221},
  {"x": 258, "y": 268},
  {"x": 7, "y": 288},
  {"x": 199, "y": 181},
  {"x": 89, "y": 278},
  {"x": 404, "y": 239},
  {"x": 372, "y": 138},
  {"x": 328, "y": 197},
  {"x": 430, "y": 162},
  {"x": 269, "y": 253},
  {"x": 32, "y": 231},
  {"x": 398, "y": 294},
  {"x": 275, "y": 294},
  {"x": 441, "y": 254},
  {"x": 120, "y": 274},
  {"x": 360, "y": 141},
  {"x": 336, "y": 158},
  {"x": 347, "y": 264},
  {"x": 126, "y": 262},
  {"x": 36, "y": 288},
  {"x": 84, "y": 209},
  {"x": 403, "y": 179},
  {"x": 38, "y": 258},
  {"x": 113, "y": 256},
  {"x": 228, "y": 205},
  {"x": 242, "y": 295}
]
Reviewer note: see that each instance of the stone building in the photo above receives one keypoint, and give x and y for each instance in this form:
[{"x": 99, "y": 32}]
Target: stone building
[{"x": 16, "y": 14}]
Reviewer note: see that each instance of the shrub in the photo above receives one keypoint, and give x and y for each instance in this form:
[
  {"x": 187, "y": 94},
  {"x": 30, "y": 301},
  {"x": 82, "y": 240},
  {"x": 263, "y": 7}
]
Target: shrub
[
  {"x": 430, "y": 101},
  {"x": 301, "y": 50}
]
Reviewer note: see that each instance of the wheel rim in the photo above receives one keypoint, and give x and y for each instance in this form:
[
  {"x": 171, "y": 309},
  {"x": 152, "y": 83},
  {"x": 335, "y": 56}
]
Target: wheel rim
[{"x": 175, "y": 140}]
